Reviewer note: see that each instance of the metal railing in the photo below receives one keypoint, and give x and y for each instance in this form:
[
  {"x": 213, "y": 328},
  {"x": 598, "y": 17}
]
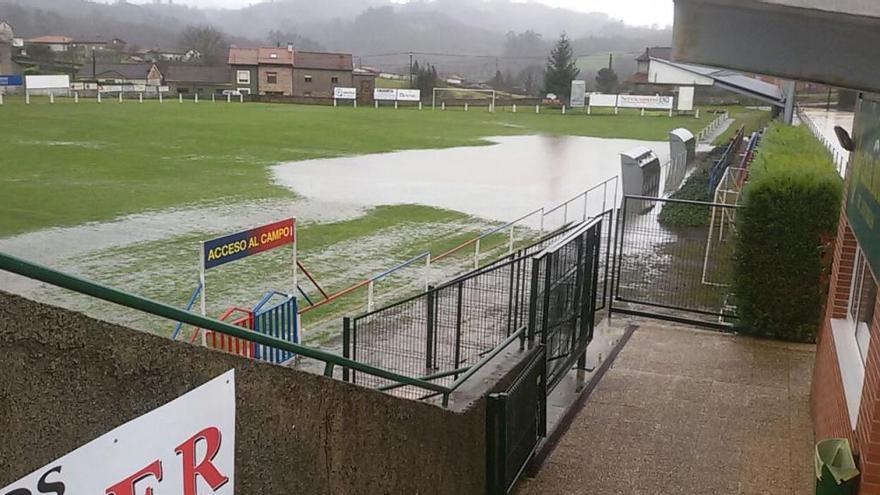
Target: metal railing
[
  {"x": 727, "y": 159},
  {"x": 840, "y": 158},
  {"x": 70, "y": 282},
  {"x": 541, "y": 217}
]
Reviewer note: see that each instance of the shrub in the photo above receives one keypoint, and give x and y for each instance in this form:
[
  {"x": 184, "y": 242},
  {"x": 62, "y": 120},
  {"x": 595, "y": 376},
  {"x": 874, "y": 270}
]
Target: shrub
[
  {"x": 695, "y": 188},
  {"x": 791, "y": 207}
]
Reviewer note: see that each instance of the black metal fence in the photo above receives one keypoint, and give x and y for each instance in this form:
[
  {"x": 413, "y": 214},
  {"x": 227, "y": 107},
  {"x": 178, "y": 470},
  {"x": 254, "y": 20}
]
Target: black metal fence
[
  {"x": 564, "y": 288},
  {"x": 516, "y": 420},
  {"x": 675, "y": 268},
  {"x": 445, "y": 330},
  {"x": 442, "y": 332}
]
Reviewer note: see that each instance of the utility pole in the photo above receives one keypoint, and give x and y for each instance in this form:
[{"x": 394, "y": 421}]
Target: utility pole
[{"x": 410, "y": 69}]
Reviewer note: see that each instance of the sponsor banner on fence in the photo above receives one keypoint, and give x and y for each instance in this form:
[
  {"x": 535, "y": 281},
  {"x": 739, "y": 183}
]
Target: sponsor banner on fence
[
  {"x": 600, "y": 100},
  {"x": 345, "y": 93},
  {"x": 243, "y": 244},
  {"x": 139, "y": 88},
  {"x": 13, "y": 80},
  {"x": 77, "y": 86},
  {"x": 184, "y": 447},
  {"x": 163, "y": 89},
  {"x": 409, "y": 95},
  {"x": 47, "y": 82},
  {"x": 110, "y": 89},
  {"x": 578, "y": 94},
  {"x": 384, "y": 94},
  {"x": 648, "y": 102}
]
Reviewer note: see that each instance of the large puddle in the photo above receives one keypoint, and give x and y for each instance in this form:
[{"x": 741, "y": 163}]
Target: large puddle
[{"x": 500, "y": 182}]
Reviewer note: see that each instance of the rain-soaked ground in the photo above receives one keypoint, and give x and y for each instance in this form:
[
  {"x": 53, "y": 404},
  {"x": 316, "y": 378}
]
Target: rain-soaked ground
[
  {"x": 499, "y": 182},
  {"x": 155, "y": 254}
]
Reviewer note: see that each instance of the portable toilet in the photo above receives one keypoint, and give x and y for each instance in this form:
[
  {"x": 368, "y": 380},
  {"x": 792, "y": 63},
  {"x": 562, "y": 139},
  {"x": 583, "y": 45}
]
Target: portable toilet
[
  {"x": 640, "y": 172},
  {"x": 682, "y": 153}
]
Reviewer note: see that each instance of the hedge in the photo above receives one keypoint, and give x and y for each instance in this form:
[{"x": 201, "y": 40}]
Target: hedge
[{"x": 790, "y": 211}]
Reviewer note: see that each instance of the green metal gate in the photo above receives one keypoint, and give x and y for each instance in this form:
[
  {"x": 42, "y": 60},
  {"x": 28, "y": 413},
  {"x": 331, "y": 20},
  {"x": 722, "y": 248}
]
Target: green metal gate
[{"x": 516, "y": 421}]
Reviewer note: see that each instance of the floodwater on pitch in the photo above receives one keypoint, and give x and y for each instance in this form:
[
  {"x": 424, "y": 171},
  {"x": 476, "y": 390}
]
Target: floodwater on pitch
[{"x": 501, "y": 181}]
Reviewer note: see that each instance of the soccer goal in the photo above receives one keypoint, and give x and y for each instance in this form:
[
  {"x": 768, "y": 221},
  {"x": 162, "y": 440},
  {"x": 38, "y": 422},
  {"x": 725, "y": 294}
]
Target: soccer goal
[{"x": 457, "y": 91}]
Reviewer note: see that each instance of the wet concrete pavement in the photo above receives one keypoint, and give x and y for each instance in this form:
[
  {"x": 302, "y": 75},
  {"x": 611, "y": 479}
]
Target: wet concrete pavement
[{"x": 690, "y": 411}]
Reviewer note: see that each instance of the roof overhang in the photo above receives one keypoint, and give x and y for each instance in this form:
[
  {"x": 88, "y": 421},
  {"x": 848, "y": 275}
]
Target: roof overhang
[
  {"x": 827, "y": 41},
  {"x": 685, "y": 74}
]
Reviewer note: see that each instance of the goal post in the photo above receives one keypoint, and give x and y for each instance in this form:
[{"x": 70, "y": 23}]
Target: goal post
[{"x": 437, "y": 91}]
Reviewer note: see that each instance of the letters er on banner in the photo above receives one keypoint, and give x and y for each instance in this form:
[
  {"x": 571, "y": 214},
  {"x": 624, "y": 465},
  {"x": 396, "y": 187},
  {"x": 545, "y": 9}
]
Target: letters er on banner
[{"x": 186, "y": 447}]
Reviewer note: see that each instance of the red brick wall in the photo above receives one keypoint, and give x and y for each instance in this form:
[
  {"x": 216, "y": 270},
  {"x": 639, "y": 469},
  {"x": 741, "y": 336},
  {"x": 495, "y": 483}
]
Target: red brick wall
[
  {"x": 868, "y": 425},
  {"x": 830, "y": 415}
]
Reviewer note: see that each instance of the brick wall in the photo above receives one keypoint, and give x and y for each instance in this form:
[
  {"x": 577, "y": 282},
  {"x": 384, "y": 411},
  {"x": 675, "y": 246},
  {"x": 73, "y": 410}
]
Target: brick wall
[
  {"x": 284, "y": 83},
  {"x": 828, "y": 402},
  {"x": 868, "y": 425}
]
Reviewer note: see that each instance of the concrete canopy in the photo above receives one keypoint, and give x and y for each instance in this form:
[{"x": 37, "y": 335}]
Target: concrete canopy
[{"x": 826, "y": 41}]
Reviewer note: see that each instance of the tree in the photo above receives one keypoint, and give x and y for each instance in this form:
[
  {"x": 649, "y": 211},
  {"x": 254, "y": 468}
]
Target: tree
[
  {"x": 425, "y": 77},
  {"x": 561, "y": 69},
  {"x": 606, "y": 81},
  {"x": 210, "y": 43},
  {"x": 530, "y": 79},
  {"x": 498, "y": 82}
]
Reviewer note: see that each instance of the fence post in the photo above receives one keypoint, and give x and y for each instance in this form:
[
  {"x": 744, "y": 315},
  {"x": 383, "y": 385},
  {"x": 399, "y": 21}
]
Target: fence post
[
  {"x": 228, "y": 97},
  {"x": 429, "y": 334},
  {"x": 376, "y": 104},
  {"x": 465, "y": 107},
  {"x": 533, "y": 300},
  {"x": 537, "y": 108},
  {"x": 477, "y": 254},
  {"x": 563, "y": 109},
  {"x": 420, "y": 105},
  {"x": 586, "y": 198},
  {"x": 140, "y": 97},
  {"x": 241, "y": 97},
  {"x": 370, "y": 296},
  {"x": 458, "y": 318},
  {"x": 514, "y": 108},
  {"x": 180, "y": 97},
  {"x": 442, "y": 105},
  {"x": 196, "y": 97},
  {"x": 346, "y": 345},
  {"x": 120, "y": 97},
  {"x": 427, "y": 271},
  {"x": 51, "y": 97},
  {"x": 335, "y": 104},
  {"x": 160, "y": 97},
  {"x": 510, "y": 248},
  {"x": 27, "y": 97},
  {"x": 1, "y": 97}
]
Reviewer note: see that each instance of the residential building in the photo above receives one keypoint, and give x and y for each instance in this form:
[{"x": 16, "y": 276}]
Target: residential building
[
  {"x": 829, "y": 44},
  {"x": 7, "y": 50},
  {"x": 317, "y": 74},
  {"x": 275, "y": 71},
  {"x": 643, "y": 60},
  {"x": 133, "y": 75},
  {"x": 245, "y": 63},
  {"x": 199, "y": 80},
  {"x": 53, "y": 43},
  {"x": 99, "y": 45}
]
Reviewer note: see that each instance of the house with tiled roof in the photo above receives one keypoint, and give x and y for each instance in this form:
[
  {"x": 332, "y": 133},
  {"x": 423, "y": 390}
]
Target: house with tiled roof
[
  {"x": 54, "y": 43},
  {"x": 316, "y": 74}
]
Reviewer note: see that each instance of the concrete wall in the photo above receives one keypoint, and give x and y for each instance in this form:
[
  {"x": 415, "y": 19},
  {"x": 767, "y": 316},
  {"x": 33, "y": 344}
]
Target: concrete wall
[{"x": 67, "y": 379}]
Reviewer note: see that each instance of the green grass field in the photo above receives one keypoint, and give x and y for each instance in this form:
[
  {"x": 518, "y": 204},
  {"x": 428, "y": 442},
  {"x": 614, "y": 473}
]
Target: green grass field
[{"x": 66, "y": 164}]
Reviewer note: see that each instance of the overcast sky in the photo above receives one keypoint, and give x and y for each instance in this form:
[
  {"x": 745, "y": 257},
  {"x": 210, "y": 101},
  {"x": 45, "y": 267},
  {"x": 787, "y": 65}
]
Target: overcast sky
[{"x": 639, "y": 12}]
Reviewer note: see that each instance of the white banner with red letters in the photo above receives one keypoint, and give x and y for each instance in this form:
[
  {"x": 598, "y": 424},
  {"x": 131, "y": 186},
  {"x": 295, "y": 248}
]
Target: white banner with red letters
[{"x": 186, "y": 447}]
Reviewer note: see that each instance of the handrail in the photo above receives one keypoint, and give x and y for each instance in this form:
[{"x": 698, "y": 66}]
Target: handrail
[
  {"x": 483, "y": 236},
  {"x": 44, "y": 274},
  {"x": 189, "y": 305},
  {"x": 400, "y": 266},
  {"x": 267, "y": 297}
]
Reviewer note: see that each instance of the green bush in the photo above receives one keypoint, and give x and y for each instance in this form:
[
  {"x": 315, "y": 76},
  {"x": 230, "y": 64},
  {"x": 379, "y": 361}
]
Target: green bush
[
  {"x": 791, "y": 207},
  {"x": 695, "y": 188}
]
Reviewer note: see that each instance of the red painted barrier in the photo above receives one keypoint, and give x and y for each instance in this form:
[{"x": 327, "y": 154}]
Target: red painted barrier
[{"x": 229, "y": 344}]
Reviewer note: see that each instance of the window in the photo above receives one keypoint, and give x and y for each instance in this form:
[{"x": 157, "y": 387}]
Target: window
[
  {"x": 334, "y": 80},
  {"x": 862, "y": 298},
  {"x": 271, "y": 78},
  {"x": 852, "y": 335},
  {"x": 308, "y": 79},
  {"x": 243, "y": 77}
]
